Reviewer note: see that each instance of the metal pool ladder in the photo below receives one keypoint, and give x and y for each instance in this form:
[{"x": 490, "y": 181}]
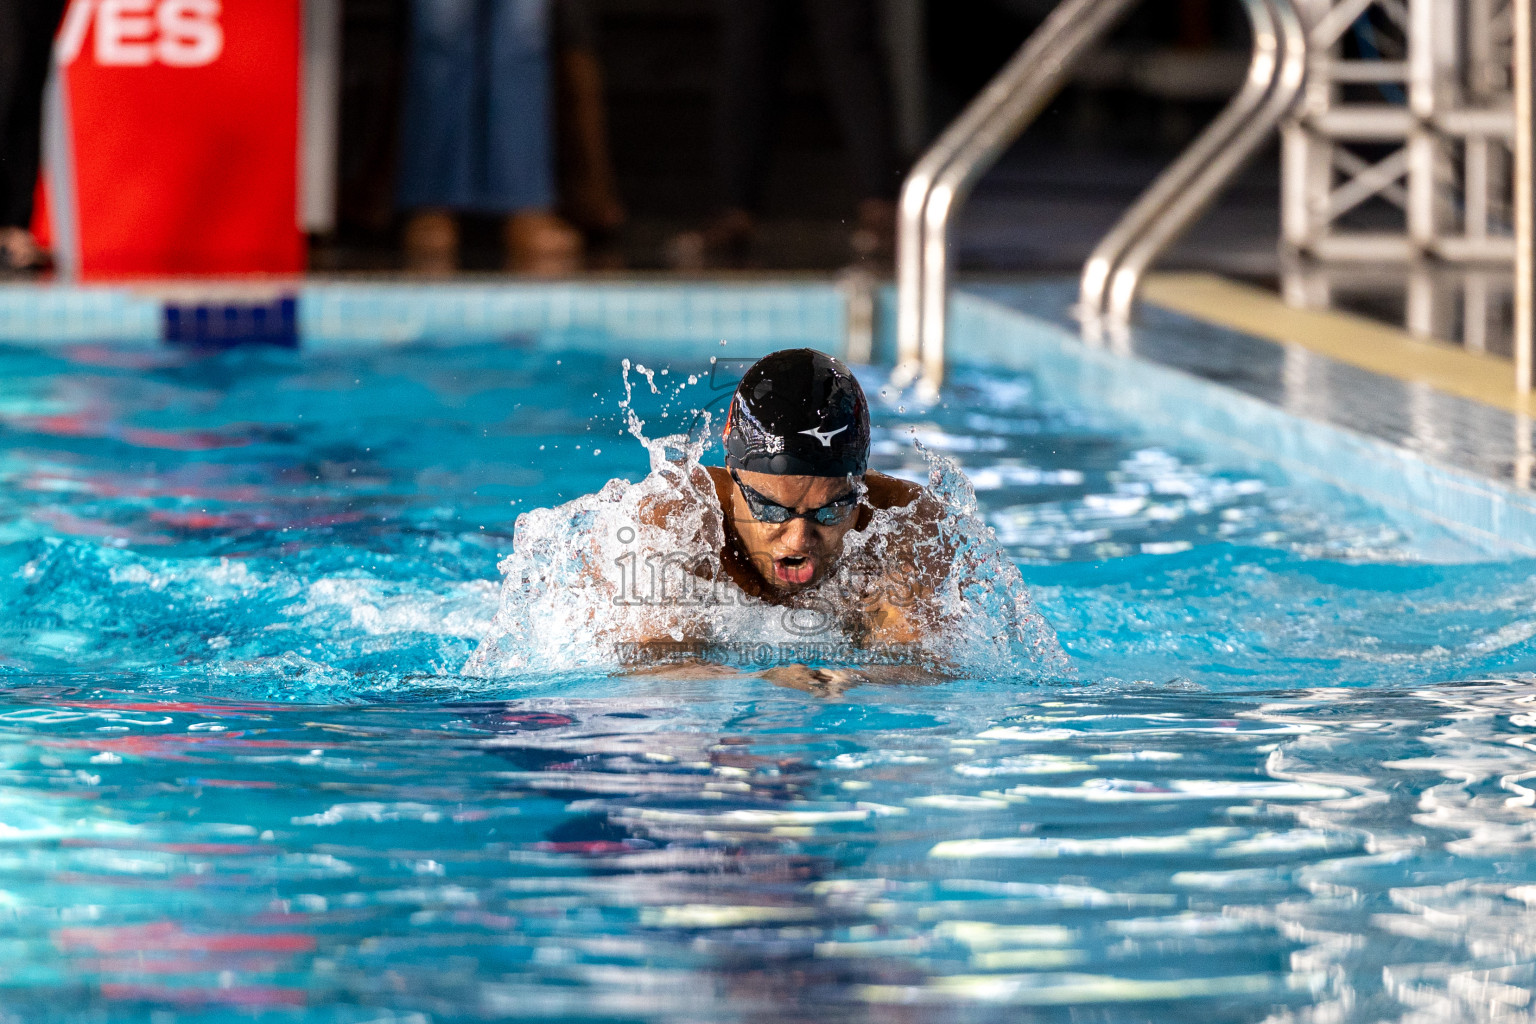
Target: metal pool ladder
[{"x": 943, "y": 176}]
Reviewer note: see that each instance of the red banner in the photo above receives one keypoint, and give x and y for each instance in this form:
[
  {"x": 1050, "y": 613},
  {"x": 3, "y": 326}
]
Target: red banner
[{"x": 182, "y": 124}]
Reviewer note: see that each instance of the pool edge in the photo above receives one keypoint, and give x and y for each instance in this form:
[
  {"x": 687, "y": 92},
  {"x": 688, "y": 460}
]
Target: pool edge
[
  {"x": 1345, "y": 337},
  {"x": 1495, "y": 516}
]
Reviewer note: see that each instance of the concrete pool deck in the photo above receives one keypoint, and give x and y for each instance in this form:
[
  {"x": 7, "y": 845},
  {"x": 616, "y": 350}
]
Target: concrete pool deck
[{"x": 1344, "y": 337}]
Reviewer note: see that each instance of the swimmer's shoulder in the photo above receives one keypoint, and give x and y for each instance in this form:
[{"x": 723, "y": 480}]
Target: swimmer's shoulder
[
  {"x": 661, "y": 510},
  {"x": 884, "y": 492},
  {"x": 922, "y": 509}
]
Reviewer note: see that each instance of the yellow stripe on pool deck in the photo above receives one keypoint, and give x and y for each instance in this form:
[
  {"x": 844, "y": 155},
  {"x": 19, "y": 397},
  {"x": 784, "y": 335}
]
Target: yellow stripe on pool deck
[{"x": 1341, "y": 336}]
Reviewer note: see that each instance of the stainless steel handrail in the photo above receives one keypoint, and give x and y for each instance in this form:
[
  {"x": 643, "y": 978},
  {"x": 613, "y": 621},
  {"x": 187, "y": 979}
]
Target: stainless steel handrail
[
  {"x": 943, "y": 176},
  {"x": 1112, "y": 276}
]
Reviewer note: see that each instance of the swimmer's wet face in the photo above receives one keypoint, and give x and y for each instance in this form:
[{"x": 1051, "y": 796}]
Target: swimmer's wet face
[
  {"x": 796, "y": 445},
  {"x": 798, "y": 552}
]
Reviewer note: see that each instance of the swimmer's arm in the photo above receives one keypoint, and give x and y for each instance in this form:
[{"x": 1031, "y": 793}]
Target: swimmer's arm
[
  {"x": 672, "y": 659},
  {"x": 833, "y": 682}
]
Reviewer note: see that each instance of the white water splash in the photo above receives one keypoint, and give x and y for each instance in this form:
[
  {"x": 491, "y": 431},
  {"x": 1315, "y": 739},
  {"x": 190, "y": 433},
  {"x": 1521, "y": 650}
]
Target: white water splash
[{"x": 641, "y": 562}]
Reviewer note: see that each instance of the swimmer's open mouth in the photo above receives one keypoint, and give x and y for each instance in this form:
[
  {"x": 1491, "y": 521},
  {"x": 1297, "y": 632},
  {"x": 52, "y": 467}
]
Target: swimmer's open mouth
[{"x": 794, "y": 569}]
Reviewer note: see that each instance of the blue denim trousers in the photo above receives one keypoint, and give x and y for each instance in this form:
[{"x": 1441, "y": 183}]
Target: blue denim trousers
[{"x": 477, "y": 128}]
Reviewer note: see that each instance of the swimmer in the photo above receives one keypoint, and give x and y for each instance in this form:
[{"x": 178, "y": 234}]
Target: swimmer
[
  {"x": 793, "y": 552},
  {"x": 794, "y": 486}
]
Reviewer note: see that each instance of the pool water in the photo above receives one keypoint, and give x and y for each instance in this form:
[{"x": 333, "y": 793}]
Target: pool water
[{"x": 243, "y": 776}]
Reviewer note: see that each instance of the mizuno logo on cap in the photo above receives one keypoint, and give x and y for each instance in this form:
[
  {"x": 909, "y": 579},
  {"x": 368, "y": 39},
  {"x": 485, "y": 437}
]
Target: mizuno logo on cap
[{"x": 825, "y": 437}]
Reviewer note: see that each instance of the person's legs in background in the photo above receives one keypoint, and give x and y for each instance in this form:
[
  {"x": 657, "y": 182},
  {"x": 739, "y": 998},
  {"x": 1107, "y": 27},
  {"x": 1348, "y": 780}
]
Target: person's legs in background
[
  {"x": 847, "y": 42},
  {"x": 27, "y": 28},
  {"x": 476, "y": 135},
  {"x": 752, "y": 43},
  {"x": 519, "y": 167},
  {"x": 438, "y": 130},
  {"x": 589, "y": 192}
]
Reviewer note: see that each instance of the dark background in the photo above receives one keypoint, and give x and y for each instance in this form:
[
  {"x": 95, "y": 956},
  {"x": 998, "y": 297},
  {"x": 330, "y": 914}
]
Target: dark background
[{"x": 1129, "y": 110}]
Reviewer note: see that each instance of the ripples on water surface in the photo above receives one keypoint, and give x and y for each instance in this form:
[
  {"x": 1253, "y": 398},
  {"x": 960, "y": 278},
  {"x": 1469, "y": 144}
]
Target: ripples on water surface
[{"x": 241, "y": 779}]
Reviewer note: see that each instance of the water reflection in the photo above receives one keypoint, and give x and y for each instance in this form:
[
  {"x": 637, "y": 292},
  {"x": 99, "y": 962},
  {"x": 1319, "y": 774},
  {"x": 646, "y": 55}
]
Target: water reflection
[
  {"x": 1354, "y": 856},
  {"x": 310, "y": 533}
]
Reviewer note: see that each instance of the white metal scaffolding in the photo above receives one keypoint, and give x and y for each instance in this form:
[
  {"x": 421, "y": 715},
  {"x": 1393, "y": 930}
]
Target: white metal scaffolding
[{"x": 1401, "y": 154}]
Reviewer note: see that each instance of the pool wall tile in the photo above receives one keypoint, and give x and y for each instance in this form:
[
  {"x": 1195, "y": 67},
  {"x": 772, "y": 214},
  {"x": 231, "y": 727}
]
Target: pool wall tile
[
  {"x": 673, "y": 319},
  {"x": 652, "y": 318},
  {"x": 62, "y": 315}
]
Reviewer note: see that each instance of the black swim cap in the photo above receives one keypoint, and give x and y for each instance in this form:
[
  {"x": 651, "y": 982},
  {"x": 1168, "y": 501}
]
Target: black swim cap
[{"x": 798, "y": 412}]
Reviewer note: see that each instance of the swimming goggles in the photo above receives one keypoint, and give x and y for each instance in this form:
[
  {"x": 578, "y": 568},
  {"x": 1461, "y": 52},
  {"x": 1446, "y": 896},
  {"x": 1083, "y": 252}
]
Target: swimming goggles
[{"x": 765, "y": 510}]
